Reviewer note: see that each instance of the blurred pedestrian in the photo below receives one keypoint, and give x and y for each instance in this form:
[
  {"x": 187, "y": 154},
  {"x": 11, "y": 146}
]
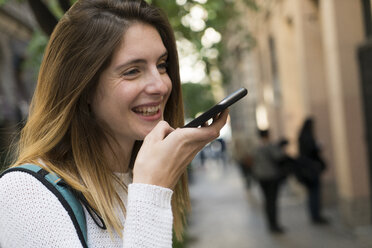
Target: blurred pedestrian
[
  {"x": 221, "y": 150},
  {"x": 266, "y": 171},
  {"x": 310, "y": 167},
  {"x": 287, "y": 163},
  {"x": 241, "y": 153}
]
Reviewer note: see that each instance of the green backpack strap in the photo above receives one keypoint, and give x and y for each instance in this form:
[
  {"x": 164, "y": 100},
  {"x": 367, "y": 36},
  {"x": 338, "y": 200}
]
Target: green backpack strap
[{"x": 68, "y": 198}]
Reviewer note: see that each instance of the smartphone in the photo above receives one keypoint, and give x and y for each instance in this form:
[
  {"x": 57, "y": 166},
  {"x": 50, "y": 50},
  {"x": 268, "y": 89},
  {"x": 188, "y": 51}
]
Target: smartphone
[{"x": 218, "y": 108}]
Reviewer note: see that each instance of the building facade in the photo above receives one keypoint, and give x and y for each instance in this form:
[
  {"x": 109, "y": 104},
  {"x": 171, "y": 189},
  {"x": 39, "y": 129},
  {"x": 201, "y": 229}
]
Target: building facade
[{"x": 308, "y": 62}]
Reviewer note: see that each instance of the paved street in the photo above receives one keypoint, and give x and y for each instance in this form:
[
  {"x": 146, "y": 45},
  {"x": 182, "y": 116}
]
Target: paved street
[{"x": 226, "y": 214}]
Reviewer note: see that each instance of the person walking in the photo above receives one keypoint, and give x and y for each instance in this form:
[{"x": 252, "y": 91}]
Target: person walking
[
  {"x": 266, "y": 170},
  {"x": 311, "y": 165}
]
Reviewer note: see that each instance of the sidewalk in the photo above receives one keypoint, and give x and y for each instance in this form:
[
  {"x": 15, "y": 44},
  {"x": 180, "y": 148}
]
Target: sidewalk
[{"x": 226, "y": 214}]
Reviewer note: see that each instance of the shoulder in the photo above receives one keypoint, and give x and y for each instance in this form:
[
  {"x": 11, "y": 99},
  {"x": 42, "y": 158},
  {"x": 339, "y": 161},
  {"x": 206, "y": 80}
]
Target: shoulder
[
  {"x": 18, "y": 183},
  {"x": 31, "y": 213},
  {"x": 20, "y": 191}
]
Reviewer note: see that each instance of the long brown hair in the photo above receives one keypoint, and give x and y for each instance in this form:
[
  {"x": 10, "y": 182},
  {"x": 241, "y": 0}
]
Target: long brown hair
[{"x": 60, "y": 129}]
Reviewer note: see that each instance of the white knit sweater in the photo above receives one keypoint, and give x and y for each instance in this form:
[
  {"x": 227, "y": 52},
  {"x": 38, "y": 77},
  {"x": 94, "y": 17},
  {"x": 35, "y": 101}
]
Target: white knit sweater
[{"x": 32, "y": 216}]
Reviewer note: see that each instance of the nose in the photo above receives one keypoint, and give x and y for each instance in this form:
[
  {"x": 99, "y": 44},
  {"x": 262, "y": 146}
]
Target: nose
[{"x": 158, "y": 83}]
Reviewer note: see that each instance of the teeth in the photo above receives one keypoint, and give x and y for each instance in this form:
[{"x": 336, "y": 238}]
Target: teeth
[{"x": 147, "y": 110}]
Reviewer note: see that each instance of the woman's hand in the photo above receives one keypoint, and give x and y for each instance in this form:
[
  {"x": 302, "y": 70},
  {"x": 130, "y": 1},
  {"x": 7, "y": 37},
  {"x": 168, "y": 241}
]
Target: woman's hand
[{"x": 166, "y": 152}]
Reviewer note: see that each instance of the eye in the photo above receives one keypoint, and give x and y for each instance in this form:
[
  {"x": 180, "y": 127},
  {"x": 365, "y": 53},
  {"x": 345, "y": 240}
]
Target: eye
[
  {"x": 131, "y": 72},
  {"x": 162, "y": 67}
]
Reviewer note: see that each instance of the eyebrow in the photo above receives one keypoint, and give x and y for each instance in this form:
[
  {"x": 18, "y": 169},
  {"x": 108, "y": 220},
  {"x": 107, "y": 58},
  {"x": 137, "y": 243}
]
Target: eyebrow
[{"x": 136, "y": 61}]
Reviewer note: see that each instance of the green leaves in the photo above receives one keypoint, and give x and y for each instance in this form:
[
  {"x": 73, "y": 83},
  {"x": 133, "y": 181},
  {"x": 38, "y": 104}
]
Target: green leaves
[
  {"x": 3, "y": 1},
  {"x": 35, "y": 51},
  {"x": 197, "y": 97},
  {"x": 200, "y": 22}
]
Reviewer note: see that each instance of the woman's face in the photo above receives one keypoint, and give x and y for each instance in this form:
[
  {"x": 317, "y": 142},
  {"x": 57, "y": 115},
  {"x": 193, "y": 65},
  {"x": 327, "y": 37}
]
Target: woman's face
[{"x": 133, "y": 90}]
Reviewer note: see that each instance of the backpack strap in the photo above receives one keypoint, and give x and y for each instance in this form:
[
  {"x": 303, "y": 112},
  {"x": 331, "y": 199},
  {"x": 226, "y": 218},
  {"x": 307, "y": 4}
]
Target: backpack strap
[{"x": 68, "y": 198}]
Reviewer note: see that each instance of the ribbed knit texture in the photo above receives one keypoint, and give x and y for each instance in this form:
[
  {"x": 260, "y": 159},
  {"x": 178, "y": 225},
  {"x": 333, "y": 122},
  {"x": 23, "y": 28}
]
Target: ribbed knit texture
[
  {"x": 143, "y": 219},
  {"x": 32, "y": 216}
]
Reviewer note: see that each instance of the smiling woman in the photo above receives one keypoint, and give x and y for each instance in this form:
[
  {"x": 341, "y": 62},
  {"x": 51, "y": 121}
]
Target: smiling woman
[
  {"x": 105, "y": 118},
  {"x": 133, "y": 90}
]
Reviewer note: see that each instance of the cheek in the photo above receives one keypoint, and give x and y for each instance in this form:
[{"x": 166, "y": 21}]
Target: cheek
[
  {"x": 105, "y": 104},
  {"x": 126, "y": 94},
  {"x": 97, "y": 103}
]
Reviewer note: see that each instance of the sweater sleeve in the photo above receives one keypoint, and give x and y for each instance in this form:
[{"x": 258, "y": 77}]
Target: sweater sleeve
[
  {"x": 149, "y": 217},
  {"x": 32, "y": 216}
]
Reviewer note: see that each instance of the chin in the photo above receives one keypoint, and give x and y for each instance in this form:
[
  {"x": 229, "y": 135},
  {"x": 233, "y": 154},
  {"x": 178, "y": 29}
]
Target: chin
[
  {"x": 144, "y": 130},
  {"x": 143, "y": 133}
]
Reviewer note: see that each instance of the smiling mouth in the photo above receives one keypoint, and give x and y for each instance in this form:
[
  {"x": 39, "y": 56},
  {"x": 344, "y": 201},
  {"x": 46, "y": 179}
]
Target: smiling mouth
[{"x": 147, "y": 111}]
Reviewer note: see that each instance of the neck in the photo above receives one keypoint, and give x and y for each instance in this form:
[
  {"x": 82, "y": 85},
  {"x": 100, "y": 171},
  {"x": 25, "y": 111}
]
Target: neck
[{"x": 122, "y": 154}]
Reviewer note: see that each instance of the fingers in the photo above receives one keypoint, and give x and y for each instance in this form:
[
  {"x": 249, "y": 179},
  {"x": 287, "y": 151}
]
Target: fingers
[
  {"x": 205, "y": 124},
  {"x": 160, "y": 131},
  {"x": 197, "y": 136},
  {"x": 220, "y": 120},
  {"x": 206, "y": 133},
  {"x": 217, "y": 124}
]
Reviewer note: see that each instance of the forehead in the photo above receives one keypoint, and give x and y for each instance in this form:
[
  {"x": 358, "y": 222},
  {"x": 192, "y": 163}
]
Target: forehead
[{"x": 140, "y": 39}]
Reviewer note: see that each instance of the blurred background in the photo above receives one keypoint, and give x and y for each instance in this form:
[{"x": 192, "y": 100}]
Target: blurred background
[{"x": 297, "y": 58}]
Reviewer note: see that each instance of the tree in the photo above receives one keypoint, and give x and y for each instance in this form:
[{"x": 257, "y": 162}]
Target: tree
[{"x": 199, "y": 98}]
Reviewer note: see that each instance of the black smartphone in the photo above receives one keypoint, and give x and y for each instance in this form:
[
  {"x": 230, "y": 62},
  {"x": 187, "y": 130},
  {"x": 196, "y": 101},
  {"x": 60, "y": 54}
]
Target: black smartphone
[{"x": 218, "y": 108}]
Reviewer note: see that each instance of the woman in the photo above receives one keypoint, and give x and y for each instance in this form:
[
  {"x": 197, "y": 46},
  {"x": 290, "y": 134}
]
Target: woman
[
  {"x": 312, "y": 166},
  {"x": 105, "y": 118}
]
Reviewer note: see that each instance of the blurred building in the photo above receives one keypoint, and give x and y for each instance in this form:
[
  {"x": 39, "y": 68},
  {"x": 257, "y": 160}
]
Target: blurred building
[
  {"x": 314, "y": 58},
  {"x": 16, "y": 82},
  {"x": 240, "y": 65}
]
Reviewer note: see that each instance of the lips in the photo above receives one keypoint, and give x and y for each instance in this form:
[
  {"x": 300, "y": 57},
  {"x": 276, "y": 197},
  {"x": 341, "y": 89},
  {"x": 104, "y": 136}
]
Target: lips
[{"x": 147, "y": 110}]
